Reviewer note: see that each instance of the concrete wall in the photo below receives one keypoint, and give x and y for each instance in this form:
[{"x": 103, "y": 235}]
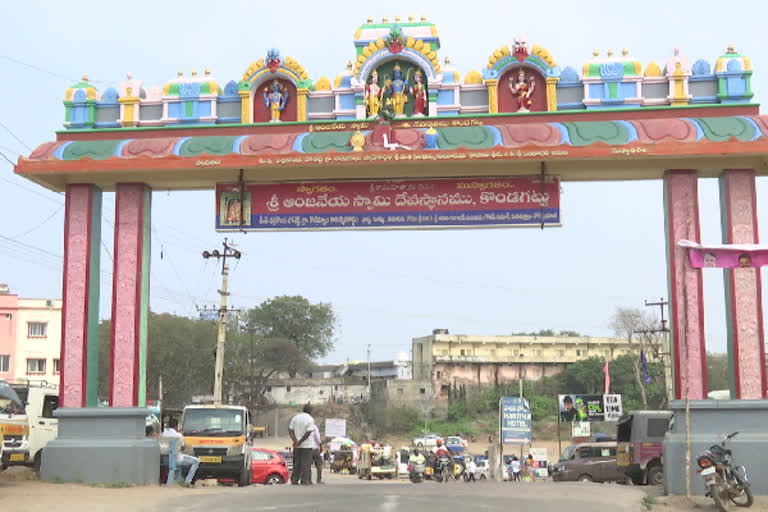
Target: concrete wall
[
  {"x": 401, "y": 393},
  {"x": 301, "y": 391},
  {"x": 9, "y": 306}
]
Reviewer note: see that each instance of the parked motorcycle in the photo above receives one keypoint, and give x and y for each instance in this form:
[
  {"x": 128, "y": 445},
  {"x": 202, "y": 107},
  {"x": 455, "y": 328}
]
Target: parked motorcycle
[
  {"x": 416, "y": 473},
  {"x": 726, "y": 482}
]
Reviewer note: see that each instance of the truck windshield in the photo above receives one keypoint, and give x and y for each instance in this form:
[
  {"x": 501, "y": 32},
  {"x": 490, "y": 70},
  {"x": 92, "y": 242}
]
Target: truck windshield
[
  {"x": 10, "y": 403},
  {"x": 567, "y": 452},
  {"x": 212, "y": 422}
]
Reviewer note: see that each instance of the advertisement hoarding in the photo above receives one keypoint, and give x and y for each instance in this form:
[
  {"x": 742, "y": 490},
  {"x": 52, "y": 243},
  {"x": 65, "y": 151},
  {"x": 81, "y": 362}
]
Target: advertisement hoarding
[
  {"x": 335, "y": 427},
  {"x": 515, "y": 420},
  {"x": 578, "y": 407},
  {"x": 410, "y": 204}
]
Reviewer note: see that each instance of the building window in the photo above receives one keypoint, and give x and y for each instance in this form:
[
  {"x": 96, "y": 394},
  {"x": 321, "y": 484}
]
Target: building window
[
  {"x": 515, "y": 352},
  {"x": 37, "y": 329},
  {"x": 287, "y": 389},
  {"x": 423, "y": 391},
  {"x": 399, "y": 391},
  {"x": 5, "y": 363},
  {"x": 336, "y": 387},
  {"x": 445, "y": 352},
  {"x": 8, "y": 316},
  {"x": 56, "y": 366},
  {"x": 493, "y": 352},
  {"x": 538, "y": 353},
  {"x": 439, "y": 374},
  {"x": 578, "y": 353},
  {"x": 35, "y": 366},
  {"x": 269, "y": 389},
  {"x": 321, "y": 391},
  {"x": 561, "y": 353},
  {"x": 462, "y": 352}
]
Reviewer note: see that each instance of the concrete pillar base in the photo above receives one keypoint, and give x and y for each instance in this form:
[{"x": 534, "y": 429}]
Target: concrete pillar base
[
  {"x": 101, "y": 445},
  {"x": 711, "y": 420}
]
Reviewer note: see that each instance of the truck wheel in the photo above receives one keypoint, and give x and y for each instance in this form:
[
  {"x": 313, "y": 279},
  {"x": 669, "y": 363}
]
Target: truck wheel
[
  {"x": 655, "y": 475},
  {"x": 38, "y": 461},
  {"x": 585, "y": 478}
]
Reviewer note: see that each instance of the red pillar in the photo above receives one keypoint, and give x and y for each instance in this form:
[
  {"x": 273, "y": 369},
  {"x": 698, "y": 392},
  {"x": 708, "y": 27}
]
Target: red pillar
[
  {"x": 79, "y": 377},
  {"x": 681, "y": 208},
  {"x": 130, "y": 296},
  {"x": 743, "y": 287}
]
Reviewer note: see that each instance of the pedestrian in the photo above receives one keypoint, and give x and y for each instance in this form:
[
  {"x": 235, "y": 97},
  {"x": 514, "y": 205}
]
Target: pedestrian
[
  {"x": 301, "y": 428},
  {"x": 471, "y": 470},
  {"x": 515, "y": 464},
  {"x": 317, "y": 457},
  {"x": 182, "y": 460}
]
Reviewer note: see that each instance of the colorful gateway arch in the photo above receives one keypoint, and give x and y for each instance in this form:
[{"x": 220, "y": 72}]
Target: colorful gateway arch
[{"x": 399, "y": 138}]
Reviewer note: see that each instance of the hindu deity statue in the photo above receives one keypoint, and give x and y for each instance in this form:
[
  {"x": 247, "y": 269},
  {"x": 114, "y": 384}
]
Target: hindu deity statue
[
  {"x": 522, "y": 90},
  {"x": 275, "y": 101},
  {"x": 396, "y": 89},
  {"x": 373, "y": 95},
  {"x": 419, "y": 94}
]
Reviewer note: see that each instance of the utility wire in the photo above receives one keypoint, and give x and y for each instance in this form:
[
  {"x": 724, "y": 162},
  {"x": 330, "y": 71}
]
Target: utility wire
[
  {"x": 15, "y": 137},
  {"x": 30, "y": 230}
]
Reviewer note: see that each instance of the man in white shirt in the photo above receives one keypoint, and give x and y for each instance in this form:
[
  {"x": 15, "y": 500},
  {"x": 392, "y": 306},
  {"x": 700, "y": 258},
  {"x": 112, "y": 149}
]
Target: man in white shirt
[
  {"x": 301, "y": 428},
  {"x": 471, "y": 470},
  {"x": 182, "y": 460}
]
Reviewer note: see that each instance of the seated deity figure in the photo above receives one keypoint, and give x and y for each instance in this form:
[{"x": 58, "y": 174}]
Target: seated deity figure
[
  {"x": 522, "y": 89},
  {"x": 275, "y": 101}
]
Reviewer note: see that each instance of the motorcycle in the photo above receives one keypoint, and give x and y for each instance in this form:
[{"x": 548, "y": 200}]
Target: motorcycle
[
  {"x": 443, "y": 470},
  {"x": 726, "y": 482},
  {"x": 416, "y": 473}
]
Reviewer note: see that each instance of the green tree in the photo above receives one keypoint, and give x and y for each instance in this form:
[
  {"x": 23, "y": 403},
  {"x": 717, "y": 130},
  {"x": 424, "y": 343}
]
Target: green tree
[
  {"x": 310, "y": 326},
  {"x": 717, "y": 371}
]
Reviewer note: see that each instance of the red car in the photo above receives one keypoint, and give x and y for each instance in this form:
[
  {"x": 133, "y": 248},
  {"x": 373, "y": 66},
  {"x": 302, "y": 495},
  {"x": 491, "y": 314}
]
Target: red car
[{"x": 267, "y": 467}]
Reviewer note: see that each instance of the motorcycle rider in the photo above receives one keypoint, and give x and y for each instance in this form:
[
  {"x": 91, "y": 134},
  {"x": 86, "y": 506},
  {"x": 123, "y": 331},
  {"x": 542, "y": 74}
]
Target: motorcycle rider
[
  {"x": 414, "y": 459},
  {"x": 443, "y": 451}
]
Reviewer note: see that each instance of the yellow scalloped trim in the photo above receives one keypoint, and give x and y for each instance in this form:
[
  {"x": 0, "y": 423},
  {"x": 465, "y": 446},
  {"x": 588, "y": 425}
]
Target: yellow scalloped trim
[
  {"x": 747, "y": 64},
  {"x": 638, "y": 68},
  {"x": 380, "y": 44},
  {"x": 358, "y": 33},
  {"x": 473, "y": 78},
  {"x": 652, "y": 70},
  {"x": 434, "y": 30},
  {"x": 419, "y": 45},
  {"x": 543, "y": 54},
  {"x": 410, "y": 42},
  {"x": 336, "y": 81},
  {"x": 415, "y": 44},
  {"x": 323, "y": 84}
]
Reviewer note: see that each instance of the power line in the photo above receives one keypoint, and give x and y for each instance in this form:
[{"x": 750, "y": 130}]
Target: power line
[
  {"x": 15, "y": 136},
  {"x": 30, "y": 230}
]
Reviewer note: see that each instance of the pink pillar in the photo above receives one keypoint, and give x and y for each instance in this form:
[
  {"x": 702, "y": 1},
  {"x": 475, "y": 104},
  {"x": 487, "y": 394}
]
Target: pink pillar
[
  {"x": 130, "y": 295},
  {"x": 686, "y": 299},
  {"x": 743, "y": 296},
  {"x": 80, "y": 312}
]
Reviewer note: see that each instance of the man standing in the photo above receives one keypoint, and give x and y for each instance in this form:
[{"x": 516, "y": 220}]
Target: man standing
[
  {"x": 301, "y": 428},
  {"x": 317, "y": 457},
  {"x": 182, "y": 460}
]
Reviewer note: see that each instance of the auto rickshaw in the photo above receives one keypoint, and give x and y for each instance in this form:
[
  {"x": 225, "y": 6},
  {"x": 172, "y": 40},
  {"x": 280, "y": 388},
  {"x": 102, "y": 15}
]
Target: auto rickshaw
[
  {"x": 343, "y": 461},
  {"x": 378, "y": 462}
]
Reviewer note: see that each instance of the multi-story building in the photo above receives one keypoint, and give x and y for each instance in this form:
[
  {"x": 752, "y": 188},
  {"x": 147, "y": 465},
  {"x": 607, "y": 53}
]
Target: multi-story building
[
  {"x": 399, "y": 369},
  {"x": 453, "y": 360},
  {"x": 30, "y": 338}
]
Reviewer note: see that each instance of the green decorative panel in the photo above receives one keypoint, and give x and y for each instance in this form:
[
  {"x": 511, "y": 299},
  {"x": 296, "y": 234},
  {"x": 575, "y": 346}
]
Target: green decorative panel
[
  {"x": 94, "y": 149},
  {"x": 721, "y": 129},
  {"x": 586, "y": 133},
  {"x": 319, "y": 142},
  {"x": 212, "y": 145},
  {"x": 471, "y": 137}
]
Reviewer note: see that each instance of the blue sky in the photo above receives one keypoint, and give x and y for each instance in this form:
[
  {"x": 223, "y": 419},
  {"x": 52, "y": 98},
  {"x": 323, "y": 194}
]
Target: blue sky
[{"x": 386, "y": 287}]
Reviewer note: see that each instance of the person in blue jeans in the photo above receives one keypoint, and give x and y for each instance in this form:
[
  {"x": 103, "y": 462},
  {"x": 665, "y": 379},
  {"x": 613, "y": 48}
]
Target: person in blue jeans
[{"x": 182, "y": 460}]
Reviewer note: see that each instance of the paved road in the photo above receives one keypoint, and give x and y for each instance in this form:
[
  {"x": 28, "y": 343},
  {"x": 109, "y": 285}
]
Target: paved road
[{"x": 351, "y": 495}]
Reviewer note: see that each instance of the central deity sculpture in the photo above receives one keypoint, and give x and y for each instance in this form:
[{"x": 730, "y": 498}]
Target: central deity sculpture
[
  {"x": 275, "y": 101},
  {"x": 396, "y": 88},
  {"x": 522, "y": 89}
]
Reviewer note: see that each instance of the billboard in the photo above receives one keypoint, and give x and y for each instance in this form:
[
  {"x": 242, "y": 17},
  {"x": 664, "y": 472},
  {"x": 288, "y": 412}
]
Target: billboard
[
  {"x": 409, "y": 204},
  {"x": 335, "y": 427},
  {"x": 577, "y": 407},
  {"x": 515, "y": 420},
  {"x": 726, "y": 256}
]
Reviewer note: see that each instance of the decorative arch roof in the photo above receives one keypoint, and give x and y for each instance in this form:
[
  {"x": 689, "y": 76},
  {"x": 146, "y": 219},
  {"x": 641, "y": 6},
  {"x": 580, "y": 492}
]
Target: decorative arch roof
[
  {"x": 90, "y": 91},
  {"x": 741, "y": 63},
  {"x": 415, "y": 51},
  {"x": 502, "y": 59},
  {"x": 290, "y": 69}
]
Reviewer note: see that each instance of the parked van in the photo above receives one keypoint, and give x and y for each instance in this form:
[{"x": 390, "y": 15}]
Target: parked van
[
  {"x": 40, "y": 400},
  {"x": 640, "y": 436},
  {"x": 588, "y": 462}
]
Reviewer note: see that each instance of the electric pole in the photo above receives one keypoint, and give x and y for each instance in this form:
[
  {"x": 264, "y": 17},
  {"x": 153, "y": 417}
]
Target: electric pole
[
  {"x": 228, "y": 252},
  {"x": 369, "y": 372},
  {"x": 665, "y": 354}
]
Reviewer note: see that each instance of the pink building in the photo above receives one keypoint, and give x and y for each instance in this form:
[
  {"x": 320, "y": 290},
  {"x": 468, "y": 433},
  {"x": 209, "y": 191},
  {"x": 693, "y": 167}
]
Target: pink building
[{"x": 30, "y": 338}]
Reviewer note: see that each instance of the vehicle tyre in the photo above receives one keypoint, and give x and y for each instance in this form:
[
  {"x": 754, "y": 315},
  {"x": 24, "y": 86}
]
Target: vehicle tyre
[
  {"x": 656, "y": 475},
  {"x": 445, "y": 475},
  {"x": 420, "y": 445},
  {"x": 585, "y": 478},
  {"x": 274, "y": 480},
  {"x": 745, "y": 498},
  {"x": 483, "y": 477},
  {"x": 38, "y": 462},
  {"x": 720, "y": 495}
]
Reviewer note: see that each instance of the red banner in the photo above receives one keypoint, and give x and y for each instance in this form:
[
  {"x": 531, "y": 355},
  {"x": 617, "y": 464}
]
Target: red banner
[{"x": 483, "y": 202}]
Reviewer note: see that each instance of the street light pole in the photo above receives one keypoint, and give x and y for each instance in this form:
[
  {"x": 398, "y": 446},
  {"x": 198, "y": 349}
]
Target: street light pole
[{"x": 228, "y": 252}]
